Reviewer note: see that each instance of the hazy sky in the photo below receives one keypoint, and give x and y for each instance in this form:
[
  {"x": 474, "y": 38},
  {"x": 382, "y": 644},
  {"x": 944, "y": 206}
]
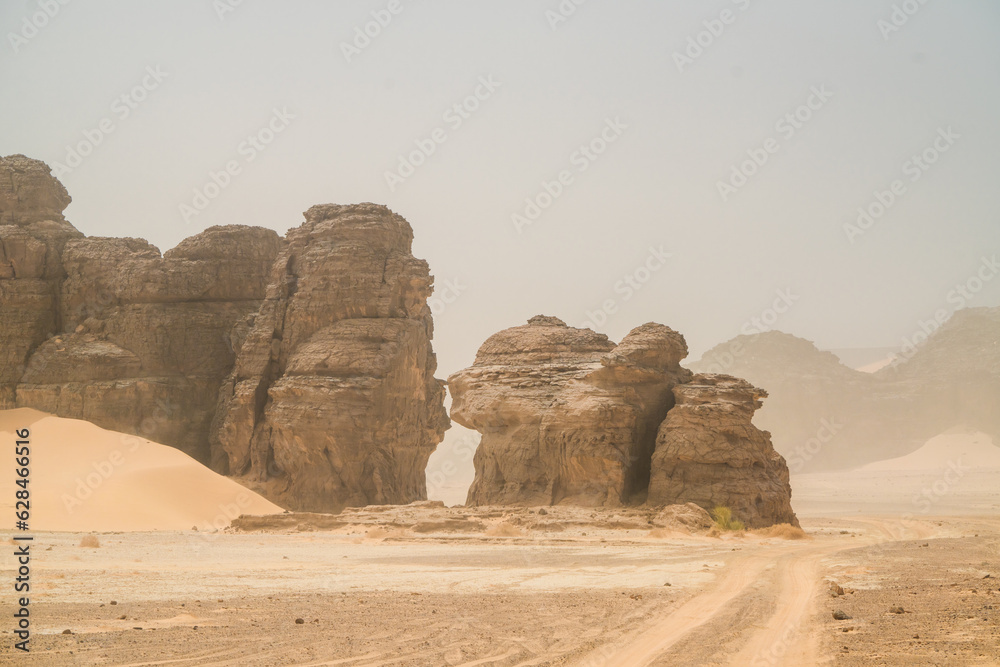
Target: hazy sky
[{"x": 667, "y": 120}]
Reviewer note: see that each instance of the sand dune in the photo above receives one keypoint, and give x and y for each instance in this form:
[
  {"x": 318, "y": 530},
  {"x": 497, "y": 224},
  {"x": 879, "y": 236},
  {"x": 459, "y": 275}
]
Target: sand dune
[
  {"x": 972, "y": 449},
  {"x": 84, "y": 478}
]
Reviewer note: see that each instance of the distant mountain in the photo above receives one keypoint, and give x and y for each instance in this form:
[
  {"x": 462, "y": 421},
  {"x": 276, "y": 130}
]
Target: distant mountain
[{"x": 823, "y": 415}]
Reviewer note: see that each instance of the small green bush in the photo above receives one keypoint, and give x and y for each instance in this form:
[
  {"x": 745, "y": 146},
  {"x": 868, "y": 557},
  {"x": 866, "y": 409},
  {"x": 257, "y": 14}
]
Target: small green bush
[{"x": 724, "y": 519}]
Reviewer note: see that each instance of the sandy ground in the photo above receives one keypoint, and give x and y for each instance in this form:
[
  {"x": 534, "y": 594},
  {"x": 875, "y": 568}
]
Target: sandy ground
[
  {"x": 905, "y": 552},
  {"x": 434, "y": 586}
]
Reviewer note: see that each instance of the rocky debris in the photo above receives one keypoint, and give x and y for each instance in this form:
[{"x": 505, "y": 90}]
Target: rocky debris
[
  {"x": 567, "y": 416},
  {"x": 824, "y": 415},
  {"x": 687, "y": 517},
  {"x": 708, "y": 452},
  {"x": 303, "y": 364},
  {"x": 836, "y": 590},
  {"x": 840, "y": 616},
  {"x": 332, "y": 401}
]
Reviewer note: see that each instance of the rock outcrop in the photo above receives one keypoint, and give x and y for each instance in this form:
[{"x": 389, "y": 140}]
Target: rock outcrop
[
  {"x": 826, "y": 416},
  {"x": 708, "y": 452},
  {"x": 333, "y": 396},
  {"x": 302, "y": 363},
  {"x": 145, "y": 339},
  {"x": 32, "y": 235},
  {"x": 567, "y": 417}
]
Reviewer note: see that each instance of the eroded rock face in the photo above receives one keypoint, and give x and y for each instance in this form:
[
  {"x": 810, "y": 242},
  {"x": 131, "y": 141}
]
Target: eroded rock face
[
  {"x": 708, "y": 452},
  {"x": 32, "y": 235},
  {"x": 567, "y": 417},
  {"x": 333, "y": 401},
  {"x": 146, "y": 338},
  {"x": 303, "y": 363}
]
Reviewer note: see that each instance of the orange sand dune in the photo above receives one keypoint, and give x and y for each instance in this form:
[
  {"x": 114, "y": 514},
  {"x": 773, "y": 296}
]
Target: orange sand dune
[{"x": 85, "y": 478}]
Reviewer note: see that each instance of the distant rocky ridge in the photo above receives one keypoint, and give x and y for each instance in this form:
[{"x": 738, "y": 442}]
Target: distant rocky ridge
[
  {"x": 569, "y": 418},
  {"x": 824, "y": 416},
  {"x": 303, "y": 364}
]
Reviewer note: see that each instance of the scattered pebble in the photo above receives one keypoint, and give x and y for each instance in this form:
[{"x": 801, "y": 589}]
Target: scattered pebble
[
  {"x": 840, "y": 615},
  {"x": 299, "y": 621}
]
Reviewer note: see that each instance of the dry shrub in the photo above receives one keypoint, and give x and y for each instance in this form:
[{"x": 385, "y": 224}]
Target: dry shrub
[
  {"x": 783, "y": 531},
  {"x": 90, "y": 541},
  {"x": 724, "y": 519}
]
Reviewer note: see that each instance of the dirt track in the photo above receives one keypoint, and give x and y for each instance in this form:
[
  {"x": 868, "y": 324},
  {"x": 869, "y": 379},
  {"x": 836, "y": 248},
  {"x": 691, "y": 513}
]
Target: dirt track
[{"x": 593, "y": 594}]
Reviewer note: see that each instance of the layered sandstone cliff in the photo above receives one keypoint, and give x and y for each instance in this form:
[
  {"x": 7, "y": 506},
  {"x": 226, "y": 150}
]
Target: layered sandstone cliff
[
  {"x": 304, "y": 363},
  {"x": 709, "y": 452},
  {"x": 32, "y": 235},
  {"x": 333, "y": 396},
  {"x": 568, "y": 417}
]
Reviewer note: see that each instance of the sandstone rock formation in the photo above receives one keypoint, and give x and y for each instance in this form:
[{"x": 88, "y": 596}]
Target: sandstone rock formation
[
  {"x": 568, "y": 417},
  {"x": 333, "y": 394},
  {"x": 708, "y": 452},
  {"x": 824, "y": 416},
  {"x": 32, "y": 235},
  {"x": 303, "y": 362}
]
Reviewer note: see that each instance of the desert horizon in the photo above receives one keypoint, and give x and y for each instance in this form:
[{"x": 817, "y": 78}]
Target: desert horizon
[{"x": 531, "y": 333}]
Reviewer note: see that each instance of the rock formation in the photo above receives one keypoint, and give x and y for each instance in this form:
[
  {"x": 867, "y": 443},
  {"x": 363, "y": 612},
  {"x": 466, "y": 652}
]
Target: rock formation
[
  {"x": 708, "y": 452},
  {"x": 333, "y": 394},
  {"x": 32, "y": 235},
  {"x": 568, "y": 417},
  {"x": 825, "y": 416},
  {"x": 303, "y": 362}
]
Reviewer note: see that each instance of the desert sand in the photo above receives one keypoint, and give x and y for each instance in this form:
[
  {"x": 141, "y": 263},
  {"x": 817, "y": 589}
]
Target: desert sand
[
  {"x": 85, "y": 478},
  {"x": 424, "y": 584}
]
